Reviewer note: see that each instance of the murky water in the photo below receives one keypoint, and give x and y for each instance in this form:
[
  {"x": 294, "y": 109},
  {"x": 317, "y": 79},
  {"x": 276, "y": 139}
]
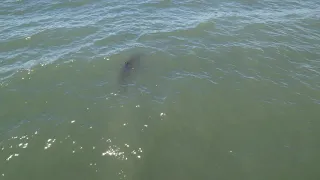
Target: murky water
[{"x": 226, "y": 90}]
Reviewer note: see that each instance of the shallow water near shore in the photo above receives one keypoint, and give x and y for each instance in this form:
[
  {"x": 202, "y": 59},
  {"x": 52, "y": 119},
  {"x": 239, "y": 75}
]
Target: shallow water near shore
[{"x": 226, "y": 90}]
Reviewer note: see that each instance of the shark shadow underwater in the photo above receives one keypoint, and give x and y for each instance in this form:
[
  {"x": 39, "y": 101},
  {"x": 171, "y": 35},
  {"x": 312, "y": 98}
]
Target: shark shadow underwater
[{"x": 129, "y": 70}]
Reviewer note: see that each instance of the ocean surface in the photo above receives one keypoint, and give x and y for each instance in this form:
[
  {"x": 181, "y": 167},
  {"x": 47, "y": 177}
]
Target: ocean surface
[{"x": 226, "y": 90}]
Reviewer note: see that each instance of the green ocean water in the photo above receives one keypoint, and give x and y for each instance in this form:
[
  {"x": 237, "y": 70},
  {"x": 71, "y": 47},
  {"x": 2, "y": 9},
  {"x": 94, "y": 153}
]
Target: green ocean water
[{"x": 226, "y": 90}]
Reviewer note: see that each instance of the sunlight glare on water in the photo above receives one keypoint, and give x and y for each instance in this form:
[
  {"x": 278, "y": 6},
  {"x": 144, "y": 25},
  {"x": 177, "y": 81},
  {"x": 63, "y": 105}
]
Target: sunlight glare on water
[{"x": 223, "y": 90}]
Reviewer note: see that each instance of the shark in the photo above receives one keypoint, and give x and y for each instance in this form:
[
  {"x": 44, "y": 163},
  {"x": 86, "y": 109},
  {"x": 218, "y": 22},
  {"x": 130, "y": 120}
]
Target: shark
[{"x": 129, "y": 69}]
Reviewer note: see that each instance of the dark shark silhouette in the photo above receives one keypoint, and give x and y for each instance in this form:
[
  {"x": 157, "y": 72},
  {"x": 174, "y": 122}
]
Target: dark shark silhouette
[{"x": 129, "y": 69}]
